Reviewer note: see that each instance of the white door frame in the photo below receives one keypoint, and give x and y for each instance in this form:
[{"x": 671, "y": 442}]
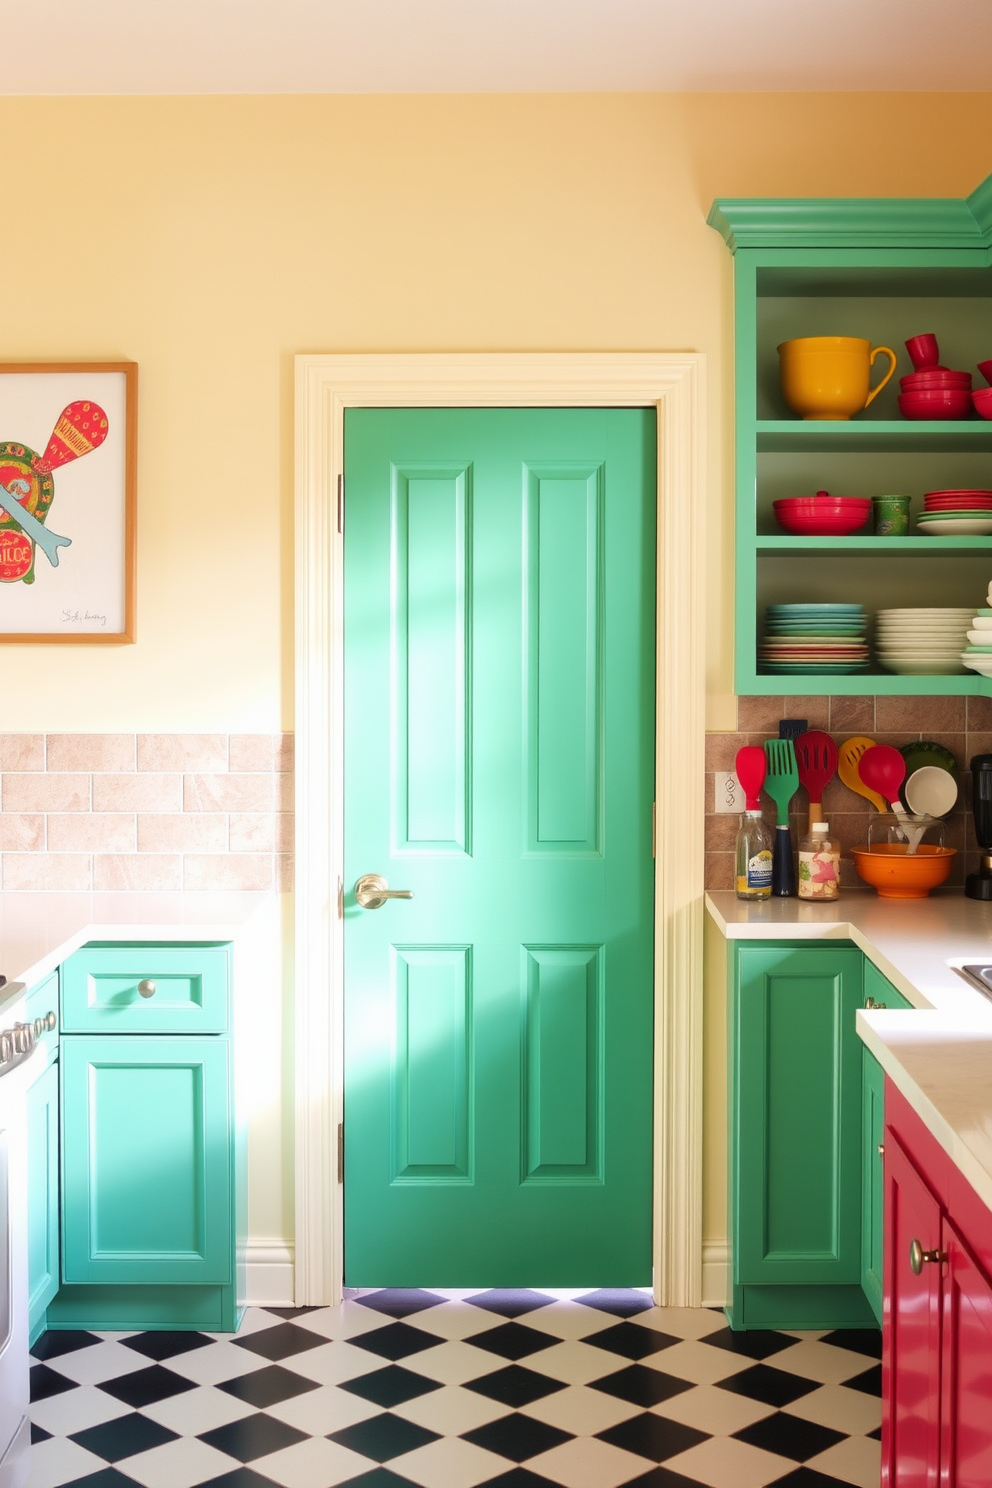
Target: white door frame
[{"x": 671, "y": 383}]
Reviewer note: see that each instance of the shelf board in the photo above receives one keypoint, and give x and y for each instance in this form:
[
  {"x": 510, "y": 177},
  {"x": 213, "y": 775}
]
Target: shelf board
[
  {"x": 862, "y": 684},
  {"x": 783, "y": 435},
  {"x": 881, "y": 546}
]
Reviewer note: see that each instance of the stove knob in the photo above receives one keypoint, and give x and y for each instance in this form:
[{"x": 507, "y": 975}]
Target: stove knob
[{"x": 6, "y": 1048}]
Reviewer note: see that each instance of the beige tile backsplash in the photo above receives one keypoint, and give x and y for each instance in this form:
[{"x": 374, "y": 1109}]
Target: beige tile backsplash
[{"x": 146, "y": 811}]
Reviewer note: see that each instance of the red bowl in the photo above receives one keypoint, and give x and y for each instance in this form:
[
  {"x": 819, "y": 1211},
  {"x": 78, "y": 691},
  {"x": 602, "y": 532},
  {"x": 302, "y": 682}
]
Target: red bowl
[
  {"x": 941, "y": 403},
  {"x": 830, "y": 516},
  {"x": 986, "y": 370},
  {"x": 982, "y": 399},
  {"x": 921, "y": 382}
]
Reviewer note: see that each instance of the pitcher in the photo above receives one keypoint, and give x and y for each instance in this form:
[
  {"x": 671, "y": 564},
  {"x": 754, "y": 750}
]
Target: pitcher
[{"x": 828, "y": 377}]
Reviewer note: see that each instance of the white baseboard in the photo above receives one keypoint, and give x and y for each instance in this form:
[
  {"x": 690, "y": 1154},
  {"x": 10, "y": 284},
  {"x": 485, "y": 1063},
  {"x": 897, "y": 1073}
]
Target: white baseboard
[
  {"x": 716, "y": 1273},
  {"x": 270, "y": 1267}
]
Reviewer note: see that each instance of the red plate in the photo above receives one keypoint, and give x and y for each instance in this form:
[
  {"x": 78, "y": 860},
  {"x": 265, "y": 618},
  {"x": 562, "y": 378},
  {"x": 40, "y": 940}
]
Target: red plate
[{"x": 960, "y": 491}]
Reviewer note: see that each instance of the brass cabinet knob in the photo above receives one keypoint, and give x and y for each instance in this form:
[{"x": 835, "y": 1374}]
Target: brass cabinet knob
[
  {"x": 918, "y": 1257},
  {"x": 147, "y": 988}
]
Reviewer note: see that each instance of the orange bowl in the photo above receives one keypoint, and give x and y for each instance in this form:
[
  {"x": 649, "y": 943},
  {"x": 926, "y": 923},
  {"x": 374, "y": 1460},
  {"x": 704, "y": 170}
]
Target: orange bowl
[{"x": 895, "y": 873}]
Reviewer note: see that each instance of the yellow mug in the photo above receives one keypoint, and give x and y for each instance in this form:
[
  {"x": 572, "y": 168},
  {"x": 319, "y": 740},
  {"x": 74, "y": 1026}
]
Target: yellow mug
[{"x": 828, "y": 377}]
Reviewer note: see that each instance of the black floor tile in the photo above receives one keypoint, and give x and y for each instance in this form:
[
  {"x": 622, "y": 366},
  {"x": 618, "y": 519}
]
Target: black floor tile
[
  {"x": 268, "y": 1386},
  {"x": 166, "y": 1345},
  {"x": 288, "y": 1313},
  {"x": 238, "y": 1477},
  {"x": 631, "y": 1341},
  {"x": 641, "y": 1386},
  {"x": 860, "y": 1340},
  {"x": 754, "y": 1343},
  {"x": 620, "y": 1302},
  {"x": 391, "y": 1386},
  {"x": 516, "y": 1437},
  {"x": 652, "y": 1436},
  {"x": 57, "y": 1341},
  {"x": 789, "y": 1436},
  {"x": 383, "y": 1437},
  {"x": 253, "y": 1436},
  {"x": 806, "y": 1477},
  {"x": 396, "y": 1302},
  {"x": 396, "y": 1341},
  {"x": 381, "y": 1477},
  {"x": 510, "y": 1304},
  {"x": 147, "y": 1386},
  {"x": 662, "y": 1477},
  {"x": 280, "y": 1342},
  {"x": 517, "y": 1477},
  {"x": 38, "y": 1435},
  {"x": 870, "y": 1382},
  {"x": 515, "y": 1386},
  {"x": 123, "y": 1437},
  {"x": 110, "y": 1477},
  {"x": 513, "y": 1341},
  {"x": 770, "y": 1386},
  {"x": 47, "y": 1382}
]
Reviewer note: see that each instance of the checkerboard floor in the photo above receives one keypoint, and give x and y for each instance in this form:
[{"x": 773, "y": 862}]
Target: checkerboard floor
[{"x": 457, "y": 1390}]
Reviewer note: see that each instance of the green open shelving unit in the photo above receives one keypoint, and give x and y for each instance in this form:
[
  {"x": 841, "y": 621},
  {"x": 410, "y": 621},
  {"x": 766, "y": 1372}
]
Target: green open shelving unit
[{"x": 884, "y": 270}]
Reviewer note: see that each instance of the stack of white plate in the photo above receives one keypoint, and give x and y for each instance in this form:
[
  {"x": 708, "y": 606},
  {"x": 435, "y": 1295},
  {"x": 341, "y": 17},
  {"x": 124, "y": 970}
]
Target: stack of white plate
[
  {"x": 978, "y": 656},
  {"x": 922, "y": 642}
]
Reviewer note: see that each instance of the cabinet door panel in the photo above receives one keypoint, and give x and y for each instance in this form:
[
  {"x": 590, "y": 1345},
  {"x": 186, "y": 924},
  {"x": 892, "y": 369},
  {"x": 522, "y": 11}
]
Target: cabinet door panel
[
  {"x": 798, "y": 1099},
  {"x": 911, "y": 1338},
  {"x": 43, "y": 1194},
  {"x": 146, "y": 1160},
  {"x": 872, "y": 1178},
  {"x": 146, "y": 989},
  {"x": 966, "y": 1394}
]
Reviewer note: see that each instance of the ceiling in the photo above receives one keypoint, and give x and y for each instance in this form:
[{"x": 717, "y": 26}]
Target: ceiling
[{"x": 494, "y": 46}]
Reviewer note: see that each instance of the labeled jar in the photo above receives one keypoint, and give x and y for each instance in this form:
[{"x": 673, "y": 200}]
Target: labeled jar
[
  {"x": 754, "y": 857},
  {"x": 819, "y": 864}
]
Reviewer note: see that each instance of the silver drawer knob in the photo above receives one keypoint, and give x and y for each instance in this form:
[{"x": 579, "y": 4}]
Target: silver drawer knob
[{"x": 147, "y": 988}]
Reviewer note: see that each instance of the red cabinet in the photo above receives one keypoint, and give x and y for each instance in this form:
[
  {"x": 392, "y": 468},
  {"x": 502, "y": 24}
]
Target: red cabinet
[{"x": 937, "y": 1315}]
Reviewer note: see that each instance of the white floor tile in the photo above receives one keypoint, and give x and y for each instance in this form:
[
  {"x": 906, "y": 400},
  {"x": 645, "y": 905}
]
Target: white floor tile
[
  {"x": 693, "y": 1359},
  {"x": 177, "y": 1464},
  {"x": 449, "y": 1463},
  {"x": 821, "y": 1361},
  {"x": 349, "y": 1320},
  {"x": 99, "y": 1362},
  {"x": 588, "y": 1464},
  {"x": 454, "y": 1363},
  {"x": 321, "y": 1411},
  {"x": 682, "y": 1322},
  {"x": 565, "y": 1320},
  {"x": 851, "y": 1411},
  {"x": 74, "y": 1410},
  {"x": 722, "y": 1462},
  {"x": 59, "y": 1461},
  {"x": 458, "y": 1321},
  {"x": 312, "y": 1464},
  {"x": 450, "y": 1411},
  {"x": 331, "y": 1363},
  {"x": 216, "y": 1363},
  {"x": 581, "y": 1411},
  {"x": 197, "y": 1411},
  {"x": 574, "y": 1363},
  {"x": 708, "y": 1408}
]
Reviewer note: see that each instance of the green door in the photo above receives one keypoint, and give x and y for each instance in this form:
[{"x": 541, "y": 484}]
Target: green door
[{"x": 499, "y": 762}]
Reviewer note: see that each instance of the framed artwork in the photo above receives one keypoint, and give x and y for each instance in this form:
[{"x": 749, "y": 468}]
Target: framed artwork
[{"x": 67, "y": 501}]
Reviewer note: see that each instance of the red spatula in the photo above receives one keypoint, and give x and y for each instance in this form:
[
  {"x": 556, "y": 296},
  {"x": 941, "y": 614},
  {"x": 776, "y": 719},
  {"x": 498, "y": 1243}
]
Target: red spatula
[
  {"x": 816, "y": 756},
  {"x": 751, "y": 765}
]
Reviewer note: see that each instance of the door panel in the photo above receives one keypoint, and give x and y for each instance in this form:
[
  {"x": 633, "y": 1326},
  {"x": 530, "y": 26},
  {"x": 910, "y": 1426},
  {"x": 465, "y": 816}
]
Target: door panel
[{"x": 499, "y": 760}]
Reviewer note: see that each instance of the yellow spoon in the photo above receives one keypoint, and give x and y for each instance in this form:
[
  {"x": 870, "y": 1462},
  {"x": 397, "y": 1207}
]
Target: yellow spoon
[{"x": 847, "y": 768}]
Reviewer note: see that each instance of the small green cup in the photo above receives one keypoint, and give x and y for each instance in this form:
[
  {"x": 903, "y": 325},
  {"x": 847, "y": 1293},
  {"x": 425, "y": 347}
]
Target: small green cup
[{"x": 891, "y": 515}]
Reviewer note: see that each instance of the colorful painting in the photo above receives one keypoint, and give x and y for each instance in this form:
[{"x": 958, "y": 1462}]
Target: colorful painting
[{"x": 66, "y": 532}]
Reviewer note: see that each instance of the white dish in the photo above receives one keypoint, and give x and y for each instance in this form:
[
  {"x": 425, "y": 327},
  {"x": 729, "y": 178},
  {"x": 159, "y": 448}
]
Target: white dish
[
  {"x": 932, "y": 610},
  {"x": 982, "y": 622},
  {"x": 956, "y": 526},
  {"x": 980, "y": 637},
  {"x": 980, "y": 664},
  {"x": 959, "y": 628},
  {"x": 930, "y": 791}
]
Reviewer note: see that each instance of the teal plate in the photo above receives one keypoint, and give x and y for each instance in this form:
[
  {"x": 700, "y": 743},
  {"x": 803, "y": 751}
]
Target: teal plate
[{"x": 813, "y": 668}]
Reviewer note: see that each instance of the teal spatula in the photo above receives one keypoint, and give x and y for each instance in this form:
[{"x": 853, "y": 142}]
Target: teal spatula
[{"x": 781, "y": 783}]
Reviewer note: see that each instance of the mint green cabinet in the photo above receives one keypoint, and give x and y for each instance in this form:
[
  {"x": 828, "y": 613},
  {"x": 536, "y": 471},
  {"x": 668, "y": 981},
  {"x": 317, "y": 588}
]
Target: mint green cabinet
[
  {"x": 882, "y": 270},
  {"x": 43, "y": 1197},
  {"x": 796, "y": 1136},
  {"x": 152, "y": 1211},
  {"x": 879, "y": 992}
]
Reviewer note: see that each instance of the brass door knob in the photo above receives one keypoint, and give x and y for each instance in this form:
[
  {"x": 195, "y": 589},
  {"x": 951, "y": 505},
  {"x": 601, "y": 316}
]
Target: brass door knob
[
  {"x": 372, "y": 891},
  {"x": 918, "y": 1257}
]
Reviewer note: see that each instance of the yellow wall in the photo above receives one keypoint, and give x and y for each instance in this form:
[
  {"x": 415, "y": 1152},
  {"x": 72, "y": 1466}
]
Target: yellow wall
[{"x": 211, "y": 239}]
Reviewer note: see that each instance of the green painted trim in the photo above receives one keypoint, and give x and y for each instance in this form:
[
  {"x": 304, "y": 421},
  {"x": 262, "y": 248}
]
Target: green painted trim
[
  {"x": 949, "y": 546},
  {"x": 850, "y": 222},
  {"x": 799, "y": 1307}
]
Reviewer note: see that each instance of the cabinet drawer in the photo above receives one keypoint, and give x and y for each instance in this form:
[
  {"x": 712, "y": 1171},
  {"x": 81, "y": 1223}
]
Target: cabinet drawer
[
  {"x": 146, "y": 989},
  {"x": 41, "y": 1001}
]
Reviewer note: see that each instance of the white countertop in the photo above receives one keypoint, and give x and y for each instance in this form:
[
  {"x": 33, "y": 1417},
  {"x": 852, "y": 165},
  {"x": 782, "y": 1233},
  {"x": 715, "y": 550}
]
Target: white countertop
[
  {"x": 939, "y": 1053},
  {"x": 39, "y": 930}
]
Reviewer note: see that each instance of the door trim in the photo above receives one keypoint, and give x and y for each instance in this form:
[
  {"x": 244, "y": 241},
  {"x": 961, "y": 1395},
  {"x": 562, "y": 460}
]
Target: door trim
[{"x": 671, "y": 383}]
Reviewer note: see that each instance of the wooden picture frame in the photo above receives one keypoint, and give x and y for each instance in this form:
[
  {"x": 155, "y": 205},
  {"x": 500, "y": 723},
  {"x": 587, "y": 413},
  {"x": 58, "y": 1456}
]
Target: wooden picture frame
[{"x": 67, "y": 523}]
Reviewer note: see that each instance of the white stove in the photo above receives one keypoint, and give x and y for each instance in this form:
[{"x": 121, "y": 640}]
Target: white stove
[{"x": 17, "y": 1042}]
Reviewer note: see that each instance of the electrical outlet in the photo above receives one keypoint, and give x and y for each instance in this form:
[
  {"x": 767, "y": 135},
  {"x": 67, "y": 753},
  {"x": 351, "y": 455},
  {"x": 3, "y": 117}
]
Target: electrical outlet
[{"x": 728, "y": 793}]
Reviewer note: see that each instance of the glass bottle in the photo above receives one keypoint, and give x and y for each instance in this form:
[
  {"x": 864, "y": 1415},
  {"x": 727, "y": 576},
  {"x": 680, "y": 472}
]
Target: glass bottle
[
  {"x": 754, "y": 857},
  {"x": 819, "y": 864}
]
